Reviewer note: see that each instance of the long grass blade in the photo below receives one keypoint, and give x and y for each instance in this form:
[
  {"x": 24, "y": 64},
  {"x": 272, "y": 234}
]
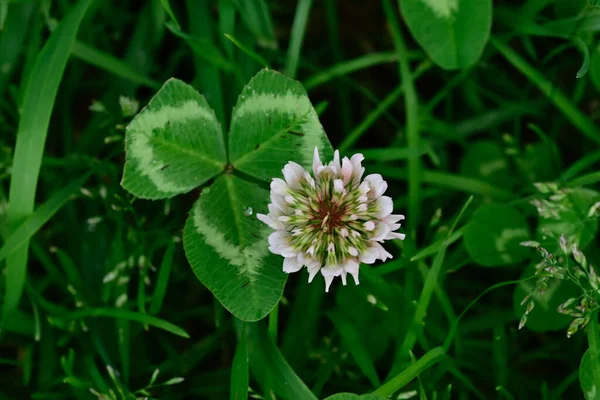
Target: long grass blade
[
  {"x": 239, "y": 371},
  {"x": 46, "y": 211},
  {"x": 38, "y": 103},
  {"x": 124, "y": 315},
  {"x": 297, "y": 37}
]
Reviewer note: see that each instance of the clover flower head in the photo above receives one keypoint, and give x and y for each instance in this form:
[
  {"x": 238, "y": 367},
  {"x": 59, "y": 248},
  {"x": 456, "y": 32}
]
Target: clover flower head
[{"x": 332, "y": 220}]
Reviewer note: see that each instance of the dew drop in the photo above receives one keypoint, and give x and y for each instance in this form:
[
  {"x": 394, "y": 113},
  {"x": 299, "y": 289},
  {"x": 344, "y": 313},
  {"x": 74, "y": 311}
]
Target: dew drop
[
  {"x": 206, "y": 190},
  {"x": 248, "y": 211}
]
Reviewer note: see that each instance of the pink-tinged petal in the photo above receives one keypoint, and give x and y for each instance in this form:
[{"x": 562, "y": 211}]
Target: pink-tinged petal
[
  {"x": 369, "y": 226},
  {"x": 380, "y": 232},
  {"x": 385, "y": 206},
  {"x": 378, "y": 185},
  {"x": 275, "y": 250},
  {"x": 287, "y": 251},
  {"x": 364, "y": 187},
  {"x": 274, "y": 211},
  {"x": 309, "y": 179},
  {"x": 352, "y": 251},
  {"x": 279, "y": 186},
  {"x": 336, "y": 162},
  {"x": 346, "y": 170},
  {"x": 338, "y": 185},
  {"x": 291, "y": 264},
  {"x": 316, "y": 162},
  {"x": 352, "y": 267}
]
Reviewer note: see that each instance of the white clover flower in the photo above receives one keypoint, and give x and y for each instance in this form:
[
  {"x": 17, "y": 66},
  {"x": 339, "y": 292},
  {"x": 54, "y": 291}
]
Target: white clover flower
[{"x": 330, "y": 221}]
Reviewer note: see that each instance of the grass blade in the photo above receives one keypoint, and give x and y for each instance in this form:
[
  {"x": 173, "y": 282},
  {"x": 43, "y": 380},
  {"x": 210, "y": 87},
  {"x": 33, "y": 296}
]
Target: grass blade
[
  {"x": 347, "y": 67},
  {"x": 125, "y": 315},
  {"x": 248, "y": 51},
  {"x": 239, "y": 371},
  {"x": 411, "y": 108},
  {"x": 355, "y": 346},
  {"x": 162, "y": 281},
  {"x": 46, "y": 211},
  {"x": 403, "y": 378},
  {"x": 297, "y": 36},
  {"x": 111, "y": 64},
  {"x": 593, "y": 335},
  {"x": 267, "y": 362},
  {"x": 562, "y": 102},
  {"x": 12, "y": 40},
  {"x": 38, "y": 103}
]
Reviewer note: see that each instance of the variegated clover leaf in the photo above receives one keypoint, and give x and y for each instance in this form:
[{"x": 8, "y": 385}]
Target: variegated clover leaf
[{"x": 175, "y": 144}]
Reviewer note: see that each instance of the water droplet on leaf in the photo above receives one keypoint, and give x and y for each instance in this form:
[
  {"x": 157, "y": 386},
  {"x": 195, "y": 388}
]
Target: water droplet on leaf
[
  {"x": 248, "y": 211},
  {"x": 206, "y": 190}
]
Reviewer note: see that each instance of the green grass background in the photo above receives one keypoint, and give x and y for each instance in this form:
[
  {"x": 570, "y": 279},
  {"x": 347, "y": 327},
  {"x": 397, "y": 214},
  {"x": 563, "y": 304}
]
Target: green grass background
[{"x": 99, "y": 279}]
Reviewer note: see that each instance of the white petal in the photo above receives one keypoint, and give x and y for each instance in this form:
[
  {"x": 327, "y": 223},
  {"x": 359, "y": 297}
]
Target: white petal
[
  {"x": 291, "y": 264},
  {"x": 293, "y": 172},
  {"x": 361, "y": 208},
  {"x": 278, "y": 237},
  {"x": 274, "y": 211},
  {"x": 369, "y": 225},
  {"x": 267, "y": 219},
  {"x": 343, "y": 275},
  {"x": 344, "y": 232},
  {"x": 364, "y": 187},
  {"x": 309, "y": 179},
  {"x": 352, "y": 251},
  {"x": 395, "y": 235},
  {"x": 346, "y": 170},
  {"x": 279, "y": 202},
  {"x": 385, "y": 206},
  {"x": 316, "y": 162},
  {"x": 338, "y": 185},
  {"x": 378, "y": 185},
  {"x": 287, "y": 251},
  {"x": 279, "y": 186},
  {"x": 370, "y": 255},
  {"x": 352, "y": 267},
  {"x": 357, "y": 168},
  {"x": 380, "y": 232},
  {"x": 328, "y": 280},
  {"x": 393, "y": 218},
  {"x": 312, "y": 272},
  {"x": 383, "y": 254}
]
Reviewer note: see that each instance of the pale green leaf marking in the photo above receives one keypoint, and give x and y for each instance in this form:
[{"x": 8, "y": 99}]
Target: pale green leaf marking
[
  {"x": 228, "y": 251},
  {"x": 273, "y": 123},
  {"x": 173, "y": 145},
  {"x": 248, "y": 258},
  {"x": 442, "y": 8},
  {"x": 141, "y": 148}
]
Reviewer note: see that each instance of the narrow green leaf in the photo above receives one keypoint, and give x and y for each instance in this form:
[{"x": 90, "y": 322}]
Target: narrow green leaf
[
  {"x": 452, "y": 32},
  {"x": 43, "y": 213},
  {"x": 349, "y": 66},
  {"x": 257, "y": 17},
  {"x": 162, "y": 281},
  {"x": 590, "y": 363},
  {"x": 403, "y": 378},
  {"x": 355, "y": 346},
  {"x": 267, "y": 361},
  {"x": 350, "y": 396},
  {"x": 274, "y": 122},
  {"x": 227, "y": 248},
  {"x": 249, "y": 52},
  {"x": 38, "y": 102},
  {"x": 582, "y": 122},
  {"x": 12, "y": 40},
  {"x": 297, "y": 37},
  {"x": 111, "y": 64},
  {"x": 173, "y": 145},
  {"x": 124, "y": 315},
  {"x": 594, "y": 67},
  {"x": 239, "y": 371}
]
